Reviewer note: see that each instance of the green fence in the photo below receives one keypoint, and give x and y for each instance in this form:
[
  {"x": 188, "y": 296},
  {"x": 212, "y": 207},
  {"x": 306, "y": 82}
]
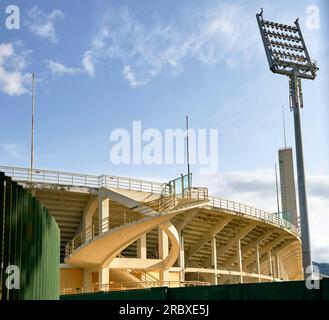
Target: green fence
[
  {"x": 290, "y": 290},
  {"x": 29, "y": 243}
]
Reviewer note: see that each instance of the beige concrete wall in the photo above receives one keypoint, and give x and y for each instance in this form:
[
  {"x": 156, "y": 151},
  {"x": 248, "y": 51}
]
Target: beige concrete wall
[
  {"x": 71, "y": 278},
  {"x": 174, "y": 276}
]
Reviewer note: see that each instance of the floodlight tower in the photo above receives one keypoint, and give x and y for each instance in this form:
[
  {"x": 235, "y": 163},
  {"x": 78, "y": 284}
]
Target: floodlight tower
[{"x": 287, "y": 55}]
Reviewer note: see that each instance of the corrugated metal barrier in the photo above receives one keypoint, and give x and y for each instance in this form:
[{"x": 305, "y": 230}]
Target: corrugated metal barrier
[
  {"x": 290, "y": 290},
  {"x": 29, "y": 246}
]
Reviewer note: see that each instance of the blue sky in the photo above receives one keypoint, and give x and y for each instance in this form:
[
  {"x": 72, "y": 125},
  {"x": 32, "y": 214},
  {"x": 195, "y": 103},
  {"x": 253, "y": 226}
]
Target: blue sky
[{"x": 102, "y": 64}]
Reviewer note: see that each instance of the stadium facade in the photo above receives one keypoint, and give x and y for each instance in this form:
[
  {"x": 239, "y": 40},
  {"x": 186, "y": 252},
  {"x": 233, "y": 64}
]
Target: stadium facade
[{"x": 121, "y": 233}]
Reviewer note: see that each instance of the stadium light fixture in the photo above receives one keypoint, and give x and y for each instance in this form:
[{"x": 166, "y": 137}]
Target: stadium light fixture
[{"x": 287, "y": 55}]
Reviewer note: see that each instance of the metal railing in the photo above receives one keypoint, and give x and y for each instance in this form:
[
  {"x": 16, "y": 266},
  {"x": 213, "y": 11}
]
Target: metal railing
[
  {"x": 251, "y": 211},
  {"x": 80, "y": 180},
  {"x": 118, "y": 286},
  {"x": 140, "y": 274},
  {"x": 87, "y": 234},
  {"x": 154, "y": 207},
  {"x": 106, "y": 181},
  {"x": 194, "y": 196}
]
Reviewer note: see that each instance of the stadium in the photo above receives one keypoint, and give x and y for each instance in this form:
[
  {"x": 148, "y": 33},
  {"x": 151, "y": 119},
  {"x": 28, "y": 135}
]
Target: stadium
[{"x": 119, "y": 233}]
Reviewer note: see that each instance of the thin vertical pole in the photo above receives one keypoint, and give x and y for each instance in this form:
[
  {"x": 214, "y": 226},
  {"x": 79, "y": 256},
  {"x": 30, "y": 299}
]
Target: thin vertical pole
[
  {"x": 32, "y": 134},
  {"x": 303, "y": 212},
  {"x": 277, "y": 188},
  {"x": 284, "y": 128},
  {"x": 188, "y": 153}
]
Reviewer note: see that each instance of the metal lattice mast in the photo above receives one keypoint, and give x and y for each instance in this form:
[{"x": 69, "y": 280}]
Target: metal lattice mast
[{"x": 287, "y": 55}]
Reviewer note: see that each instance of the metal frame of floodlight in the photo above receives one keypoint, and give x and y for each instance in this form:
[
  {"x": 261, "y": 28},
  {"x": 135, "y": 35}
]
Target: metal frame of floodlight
[
  {"x": 285, "y": 49},
  {"x": 287, "y": 55}
]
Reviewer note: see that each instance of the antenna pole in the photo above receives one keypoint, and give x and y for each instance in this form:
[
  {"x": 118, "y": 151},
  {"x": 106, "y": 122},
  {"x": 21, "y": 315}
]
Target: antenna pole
[
  {"x": 284, "y": 128},
  {"x": 277, "y": 188},
  {"x": 188, "y": 153},
  {"x": 32, "y": 135}
]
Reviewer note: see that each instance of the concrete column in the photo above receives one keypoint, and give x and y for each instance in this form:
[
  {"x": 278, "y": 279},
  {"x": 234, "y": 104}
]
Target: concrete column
[
  {"x": 269, "y": 259},
  {"x": 86, "y": 278},
  {"x": 87, "y": 218},
  {"x": 214, "y": 257},
  {"x": 181, "y": 259},
  {"x": 239, "y": 256},
  {"x": 103, "y": 210},
  {"x": 141, "y": 247},
  {"x": 163, "y": 244},
  {"x": 103, "y": 277},
  {"x": 277, "y": 263},
  {"x": 257, "y": 262}
]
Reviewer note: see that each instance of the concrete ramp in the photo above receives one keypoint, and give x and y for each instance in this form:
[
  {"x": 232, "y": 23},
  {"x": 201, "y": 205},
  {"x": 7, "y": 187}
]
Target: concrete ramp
[{"x": 102, "y": 249}]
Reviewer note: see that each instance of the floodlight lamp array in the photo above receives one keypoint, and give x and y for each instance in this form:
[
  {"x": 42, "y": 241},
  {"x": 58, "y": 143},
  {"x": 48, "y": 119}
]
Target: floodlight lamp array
[{"x": 285, "y": 49}]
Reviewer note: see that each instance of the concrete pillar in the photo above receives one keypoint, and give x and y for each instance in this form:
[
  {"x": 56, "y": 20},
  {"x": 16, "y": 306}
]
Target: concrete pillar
[
  {"x": 270, "y": 266},
  {"x": 257, "y": 262},
  {"x": 141, "y": 247},
  {"x": 103, "y": 211},
  {"x": 239, "y": 256},
  {"x": 87, "y": 218},
  {"x": 181, "y": 259},
  {"x": 214, "y": 258},
  {"x": 163, "y": 244},
  {"x": 103, "y": 278},
  {"x": 86, "y": 279},
  {"x": 277, "y": 263}
]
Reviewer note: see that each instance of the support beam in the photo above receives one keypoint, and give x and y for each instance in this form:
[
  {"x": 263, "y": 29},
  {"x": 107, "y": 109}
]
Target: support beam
[
  {"x": 212, "y": 232},
  {"x": 163, "y": 244},
  {"x": 103, "y": 209},
  {"x": 270, "y": 266},
  {"x": 239, "y": 235},
  {"x": 257, "y": 262},
  {"x": 264, "y": 250},
  {"x": 103, "y": 277},
  {"x": 87, "y": 278},
  {"x": 268, "y": 247},
  {"x": 87, "y": 218},
  {"x": 141, "y": 247},
  {"x": 214, "y": 257},
  {"x": 277, "y": 264},
  {"x": 213, "y": 253},
  {"x": 250, "y": 246},
  {"x": 181, "y": 260},
  {"x": 239, "y": 258},
  {"x": 187, "y": 217}
]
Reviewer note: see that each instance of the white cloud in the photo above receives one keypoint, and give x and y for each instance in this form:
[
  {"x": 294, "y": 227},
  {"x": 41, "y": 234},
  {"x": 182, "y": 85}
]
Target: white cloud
[
  {"x": 215, "y": 35},
  {"x": 12, "y": 77},
  {"x": 130, "y": 76},
  {"x": 42, "y": 24},
  {"x": 11, "y": 149},
  {"x": 87, "y": 63},
  {"x": 257, "y": 188},
  {"x": 59, "y": 69},
  {"x": 14, "y": 150}
]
